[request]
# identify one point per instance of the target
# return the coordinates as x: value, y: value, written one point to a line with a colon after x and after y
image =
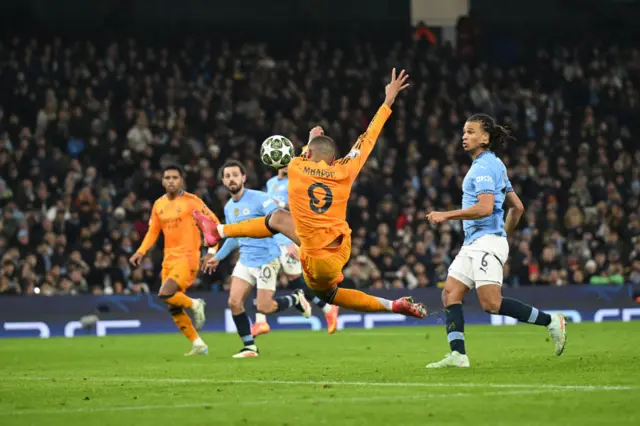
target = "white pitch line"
x: 335, y: 400
x: 428, y: 331
x: 337, y: 383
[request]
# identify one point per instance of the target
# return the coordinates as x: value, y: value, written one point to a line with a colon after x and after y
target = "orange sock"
x: 185, y: 325
x: 180, y: 300
x: 359, y: 301
x: 251, y: 228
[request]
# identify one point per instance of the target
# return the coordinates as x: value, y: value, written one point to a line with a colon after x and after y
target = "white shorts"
x: 290, y: 265
x: 264, y: 277
x: 481, y: 262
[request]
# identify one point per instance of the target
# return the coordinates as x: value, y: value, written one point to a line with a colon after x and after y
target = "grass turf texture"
x: 354, y: 377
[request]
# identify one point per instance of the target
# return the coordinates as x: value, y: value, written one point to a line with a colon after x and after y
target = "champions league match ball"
x: 276, y: 151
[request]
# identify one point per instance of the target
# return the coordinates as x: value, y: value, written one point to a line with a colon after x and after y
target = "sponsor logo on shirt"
x: 480, y: 179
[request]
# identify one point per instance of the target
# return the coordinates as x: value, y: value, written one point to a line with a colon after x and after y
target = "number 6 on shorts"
x: 488, y: 269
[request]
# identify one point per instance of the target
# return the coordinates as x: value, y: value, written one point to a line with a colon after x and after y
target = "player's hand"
x: 395, y: 86
x: 315, y: 132
x: 209, y: 265
x: 136, y: 259
x: 292, y: 251
x: 206, y: 258
x: 437, y: 217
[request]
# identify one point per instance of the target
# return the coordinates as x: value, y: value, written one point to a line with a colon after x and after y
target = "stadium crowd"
x: 86, y: 128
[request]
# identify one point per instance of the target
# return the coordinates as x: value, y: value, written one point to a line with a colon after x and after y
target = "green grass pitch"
x: 354, y: 377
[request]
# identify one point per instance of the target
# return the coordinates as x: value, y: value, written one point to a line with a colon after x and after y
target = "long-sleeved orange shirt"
x: 319, y: 192
x: 182, y: 238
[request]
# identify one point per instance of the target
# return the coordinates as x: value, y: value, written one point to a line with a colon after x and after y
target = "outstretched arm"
x: 367, y: 141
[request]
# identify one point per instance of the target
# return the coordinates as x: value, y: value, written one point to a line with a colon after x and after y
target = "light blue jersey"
x: 278, y: 189
x: 254, y: 252
x: 487, y: 175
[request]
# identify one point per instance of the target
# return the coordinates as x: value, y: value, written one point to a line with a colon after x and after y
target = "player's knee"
x: 326, y: 295
x: 451, y: 296
x: 165, y: 295
x: 491, y: 305
x: 236, y: 304
x: 175, y: 310
x: 168, y: 288
x: 277, y: 219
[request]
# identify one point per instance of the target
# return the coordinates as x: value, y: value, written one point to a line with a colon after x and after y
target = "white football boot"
x: 198, y: 348
x: 301, y: 303
x: 198, y: 313
x: 558, y: 331
x: 250, y: 351
x: 452, y: 359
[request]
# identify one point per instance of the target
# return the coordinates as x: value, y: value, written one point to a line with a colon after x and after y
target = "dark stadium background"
x: 564, y: 75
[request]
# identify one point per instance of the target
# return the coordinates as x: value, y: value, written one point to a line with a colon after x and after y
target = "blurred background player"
x: 480, y: 262
x: 320, y: 190
x: 258, y: 265
x: 171, y: 214
x: 278, y: 189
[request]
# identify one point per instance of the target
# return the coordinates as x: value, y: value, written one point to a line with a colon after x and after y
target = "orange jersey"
x: 319, y: 192
x: 182, y: 238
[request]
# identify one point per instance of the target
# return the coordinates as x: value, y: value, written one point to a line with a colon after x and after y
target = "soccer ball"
x: 276, y: 151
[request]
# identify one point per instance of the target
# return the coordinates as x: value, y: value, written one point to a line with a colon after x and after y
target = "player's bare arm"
x: 483, y: 208
x: 516, y: 210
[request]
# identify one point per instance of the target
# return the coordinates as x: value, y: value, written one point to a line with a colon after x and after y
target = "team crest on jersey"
x: 245, y: 211
x: 236, y: 211
x: 178, y: 210
x: 281, y: 188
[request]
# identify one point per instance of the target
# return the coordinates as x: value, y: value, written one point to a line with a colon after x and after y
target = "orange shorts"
x: 183, y: 272
x: 322, y: 269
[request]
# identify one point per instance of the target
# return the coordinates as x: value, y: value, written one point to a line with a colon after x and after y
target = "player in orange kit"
x: 319, y: 189
x: 172, y: 214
